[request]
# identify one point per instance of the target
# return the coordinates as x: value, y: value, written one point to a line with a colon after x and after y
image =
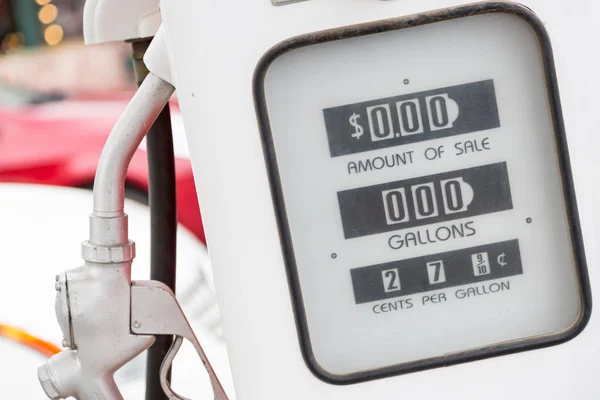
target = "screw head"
x: 136, y: 324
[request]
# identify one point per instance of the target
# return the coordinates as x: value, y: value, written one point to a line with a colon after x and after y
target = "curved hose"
x: 108, y: 227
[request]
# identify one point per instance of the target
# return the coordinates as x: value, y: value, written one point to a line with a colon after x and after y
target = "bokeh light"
x: 48, y: 13
x: 53, y: 34
x: 12, y: 41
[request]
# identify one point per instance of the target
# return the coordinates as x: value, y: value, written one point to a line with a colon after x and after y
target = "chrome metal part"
x: 108, y: 223
x: 138, y: 117
x: 108, y: 254
x: 106, y: 319
x: 93, y: 309
x: 155, y: 311
x: 93, y: 301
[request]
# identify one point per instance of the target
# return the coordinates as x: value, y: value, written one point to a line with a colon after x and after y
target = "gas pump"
x: 388, y: 198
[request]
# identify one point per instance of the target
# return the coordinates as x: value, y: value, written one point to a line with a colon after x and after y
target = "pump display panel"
x: 421, y: 180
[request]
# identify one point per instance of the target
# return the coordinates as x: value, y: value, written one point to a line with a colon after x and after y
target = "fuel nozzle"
x: 106, y: 319
x: 93, y: 310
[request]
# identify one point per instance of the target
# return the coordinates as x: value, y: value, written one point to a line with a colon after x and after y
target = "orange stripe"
x: 20, y: 336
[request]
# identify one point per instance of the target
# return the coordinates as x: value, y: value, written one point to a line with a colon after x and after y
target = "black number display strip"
x: 436, y: 271
x: 411, y: 118
x: 425, y: 200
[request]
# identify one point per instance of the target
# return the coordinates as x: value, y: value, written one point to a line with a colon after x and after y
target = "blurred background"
x: 59, y: 100
x: 42, y: 52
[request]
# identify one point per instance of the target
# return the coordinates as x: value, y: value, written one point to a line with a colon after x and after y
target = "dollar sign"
x: 358, y: 129
x: 501, y: 260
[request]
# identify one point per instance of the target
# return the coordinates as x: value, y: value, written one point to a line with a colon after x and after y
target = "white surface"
x: 214, y: 84
x: 347, y: 337
x: 42, y: 228
x: 117, y: 20
x: 157, y: 57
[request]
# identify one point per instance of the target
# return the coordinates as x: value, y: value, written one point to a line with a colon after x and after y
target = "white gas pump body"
x: 214, y: 50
